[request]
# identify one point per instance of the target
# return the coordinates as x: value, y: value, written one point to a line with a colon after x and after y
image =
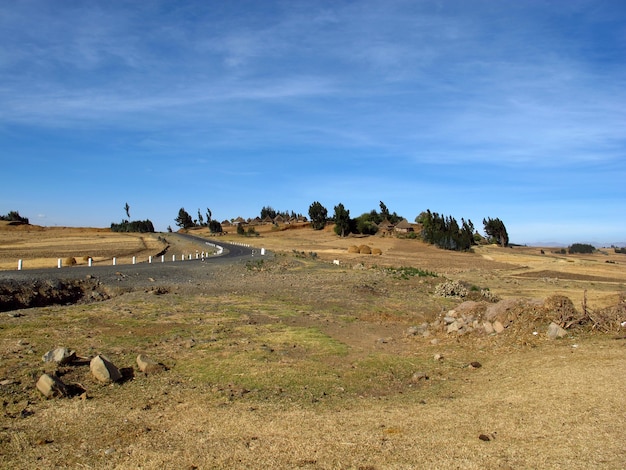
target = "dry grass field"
x: 292, y: 361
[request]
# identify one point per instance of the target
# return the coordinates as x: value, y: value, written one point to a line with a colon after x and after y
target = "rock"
x: 412, y: 331
x: 419, y: 377
x: 434, y: 341
x: 484, y: 437
x: 452, y: 327
x: 488, y: 327
x: 438, y: 357
x: 51, y: 386
x: 148, y: 366
x: 449, y: 319
x: 475, y: 365
x: 60, y: 356
x: 103, y: 370
x: 190, y: 343
x: 555, y: 331
x: 498, y: 327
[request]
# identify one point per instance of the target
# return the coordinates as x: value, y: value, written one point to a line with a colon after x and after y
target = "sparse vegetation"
x: 287, y: 362
x: 407, y: 272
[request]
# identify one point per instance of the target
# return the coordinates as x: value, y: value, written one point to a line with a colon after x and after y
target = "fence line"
x: 199, y: 256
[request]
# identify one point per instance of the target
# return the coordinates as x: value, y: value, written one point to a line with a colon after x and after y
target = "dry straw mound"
x: 365, y: 250
x: 353, y: 249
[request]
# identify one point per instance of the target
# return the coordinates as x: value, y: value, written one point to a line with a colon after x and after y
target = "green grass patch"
x: 407, y: 272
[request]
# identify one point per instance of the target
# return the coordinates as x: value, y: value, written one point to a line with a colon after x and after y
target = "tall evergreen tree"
x: 318, y: 215
x: 342, y: 220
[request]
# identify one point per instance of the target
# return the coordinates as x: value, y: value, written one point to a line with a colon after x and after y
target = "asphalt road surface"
x: 157, y: 272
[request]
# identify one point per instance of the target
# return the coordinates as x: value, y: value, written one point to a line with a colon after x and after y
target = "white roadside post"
x: 114, y: 261
x: 162, y: 258
x: 149, y: 259
x: 173, y: 257
x: 59, y: 263
x: 134, y: 259
x: 89, y: 261
x: 262, y: 251
x: 19, y: 265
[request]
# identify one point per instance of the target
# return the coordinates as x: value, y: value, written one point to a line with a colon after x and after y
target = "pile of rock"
x: 101, y: 368
x: 484, y: 318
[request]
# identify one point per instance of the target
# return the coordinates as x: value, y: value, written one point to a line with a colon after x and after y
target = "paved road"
x: 144, y: 272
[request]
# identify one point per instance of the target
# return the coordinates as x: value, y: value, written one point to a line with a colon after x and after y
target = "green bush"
x: 580, y: 248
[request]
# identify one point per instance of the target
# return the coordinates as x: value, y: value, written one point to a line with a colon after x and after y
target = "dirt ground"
x: 293, y: 361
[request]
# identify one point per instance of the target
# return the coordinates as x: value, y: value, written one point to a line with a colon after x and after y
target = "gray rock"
x: 412, y: 331
x: 488, y: 327
x: 60, y: 356
x: 51, y: 386
x: 104, y: 370
x: 555, y: 331
x: 148, y: 366
x: 452, y: 327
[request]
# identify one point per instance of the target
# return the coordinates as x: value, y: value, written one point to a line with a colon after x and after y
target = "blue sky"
x: 474, y: 109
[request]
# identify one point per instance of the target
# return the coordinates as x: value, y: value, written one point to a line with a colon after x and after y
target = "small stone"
x: 51, y: 386
x: 434, y: 341
x: 60, y: 356
x: 148, y: 366
x: 475, y: 365
x: 103, y: 370
x: 438, y: 357
x: 448, y: 319
x: 412, y: 331
x: 488, y: 327
x: 190, y: 343
x: 484, y: 437
x: 452, y: 327
x: 419, y: 377
x: 498, y: 327
x: 555, y: 331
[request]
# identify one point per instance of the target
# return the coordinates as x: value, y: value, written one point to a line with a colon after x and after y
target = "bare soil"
x: 292, y: 361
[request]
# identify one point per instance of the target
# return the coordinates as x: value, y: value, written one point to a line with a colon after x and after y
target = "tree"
x: 445, y: 232
x: 318, y: 215
x: 384, y: 212
x: 200, y: 219
x: 268, y: 211
x: 14, y: 216
x: 184, y: 220
x: 127, y: 209
x: 215, y: 226
x: 342, y: 220
x: 495, y: 229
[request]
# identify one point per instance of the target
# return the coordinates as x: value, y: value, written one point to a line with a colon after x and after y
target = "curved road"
x: 144, y: 272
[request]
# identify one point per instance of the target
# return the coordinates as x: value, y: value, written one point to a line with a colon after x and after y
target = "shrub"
x: 365, y: 250
x: 581, y: 248
x: 69, y: 261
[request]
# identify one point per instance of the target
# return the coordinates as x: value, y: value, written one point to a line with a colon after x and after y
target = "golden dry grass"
x: 40, y: 247
x: 299, y: 363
